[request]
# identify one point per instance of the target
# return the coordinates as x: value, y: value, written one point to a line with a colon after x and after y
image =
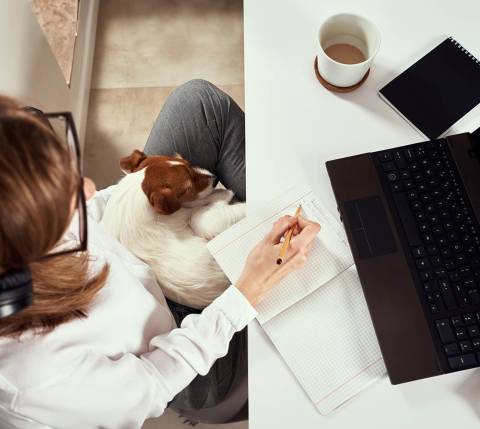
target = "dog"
x: 164, y: 210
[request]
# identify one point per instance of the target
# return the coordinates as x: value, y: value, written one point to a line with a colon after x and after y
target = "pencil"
x: 288, y: 237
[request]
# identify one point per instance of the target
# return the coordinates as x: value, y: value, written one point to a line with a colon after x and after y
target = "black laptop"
x: 412, y: 219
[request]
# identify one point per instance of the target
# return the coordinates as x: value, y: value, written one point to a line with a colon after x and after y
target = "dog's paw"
x: 221, y: 195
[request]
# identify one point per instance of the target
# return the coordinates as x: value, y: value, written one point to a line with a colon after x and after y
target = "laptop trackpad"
x: 369, y: 226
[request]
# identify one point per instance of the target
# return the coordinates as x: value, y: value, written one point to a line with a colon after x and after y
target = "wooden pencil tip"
x: 279, y: 261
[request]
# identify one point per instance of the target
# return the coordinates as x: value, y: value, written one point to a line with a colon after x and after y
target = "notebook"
x: 316, y: 317
x: 438, y: 90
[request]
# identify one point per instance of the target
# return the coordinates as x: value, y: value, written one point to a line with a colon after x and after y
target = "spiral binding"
x: 458, y: 45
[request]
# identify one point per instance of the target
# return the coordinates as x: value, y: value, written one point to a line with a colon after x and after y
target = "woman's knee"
x: 199, y: 89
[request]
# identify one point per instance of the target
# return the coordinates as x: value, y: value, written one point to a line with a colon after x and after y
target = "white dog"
x: 165, y: 211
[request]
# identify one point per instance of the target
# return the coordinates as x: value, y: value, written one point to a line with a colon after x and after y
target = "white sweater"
x: 125, y: 361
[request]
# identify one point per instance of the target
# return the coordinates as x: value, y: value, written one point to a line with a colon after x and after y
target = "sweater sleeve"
x: 124, y: 392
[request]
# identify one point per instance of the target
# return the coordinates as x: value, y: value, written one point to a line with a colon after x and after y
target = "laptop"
x: 412, y: 215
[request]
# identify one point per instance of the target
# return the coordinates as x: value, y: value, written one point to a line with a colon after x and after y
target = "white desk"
x: 292, y: 120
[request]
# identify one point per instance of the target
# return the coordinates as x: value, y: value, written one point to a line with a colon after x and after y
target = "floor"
x: 144, y: 49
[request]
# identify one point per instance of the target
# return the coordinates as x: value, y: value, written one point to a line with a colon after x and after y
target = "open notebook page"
x: 329, y: 256
x: 328, y: 342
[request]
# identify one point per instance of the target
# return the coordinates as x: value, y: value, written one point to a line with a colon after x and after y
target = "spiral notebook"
x: 316, y: 317
x: 438, y: 90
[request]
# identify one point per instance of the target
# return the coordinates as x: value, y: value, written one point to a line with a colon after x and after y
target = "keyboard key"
x: 422, y: 263
x: 434, y: 308
x: 417, y: 177
x: 469, y: 318
x: 461, y: 334
x: 448, y: 225
x: 388, y: 166
x: 474, y: 296
x: 414, y: 166
x: 473, y: 331
x: 420, y: 151
x: 442, y: 241
x: 422, y: 187
x: 446, y: 252
x: 463, y: 361
x: 432, y: 249
x: 426, y: 275
x: 399, y: 159
x: 392, y: 177
x: 440, y: 272
x: 456, y: 321
x: 436, y: 261
x: 463, y: 301
x: 465, y: 346
x: 453, y: 236
x: 420, y: 216
x: 409, y: 154
x: 476, y: 344
x: 454, y: 276
x: 385, y: 156
x: 396, y: 187
x: 445, y: 331
x: 451, y: 349
x: 450, y: 264
x: 419, y: 251
x: 423, y: 227
x: 427, y: 238
x: 405, y: 174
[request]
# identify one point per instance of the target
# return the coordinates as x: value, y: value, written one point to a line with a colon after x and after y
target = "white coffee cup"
x: 352, y: 30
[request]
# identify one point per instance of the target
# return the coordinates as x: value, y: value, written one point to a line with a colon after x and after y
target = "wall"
x: 28, y: 69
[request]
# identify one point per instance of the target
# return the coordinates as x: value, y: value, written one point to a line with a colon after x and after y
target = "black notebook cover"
x: 437, y: 90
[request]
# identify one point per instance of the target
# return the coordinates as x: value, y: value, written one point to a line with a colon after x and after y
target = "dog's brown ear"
x: 164, y: 201
x: 131, y: 162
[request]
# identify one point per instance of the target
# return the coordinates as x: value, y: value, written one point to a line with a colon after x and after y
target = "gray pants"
x: 206, y: 127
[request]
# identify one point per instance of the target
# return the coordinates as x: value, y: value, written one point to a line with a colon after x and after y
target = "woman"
x: 99, y: 346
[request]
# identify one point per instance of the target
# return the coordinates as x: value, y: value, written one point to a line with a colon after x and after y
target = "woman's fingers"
x: 309, y: 231
x: 280, y: 228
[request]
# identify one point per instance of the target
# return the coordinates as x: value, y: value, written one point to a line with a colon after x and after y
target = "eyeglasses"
x: 63, y: 125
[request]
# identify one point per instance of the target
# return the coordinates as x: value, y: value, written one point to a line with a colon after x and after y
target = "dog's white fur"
x: 174, y: 246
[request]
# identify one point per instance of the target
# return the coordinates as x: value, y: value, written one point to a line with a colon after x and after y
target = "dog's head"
x: 169, y: 182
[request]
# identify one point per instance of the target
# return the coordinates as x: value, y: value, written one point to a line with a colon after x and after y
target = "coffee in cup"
x: 348, y: 45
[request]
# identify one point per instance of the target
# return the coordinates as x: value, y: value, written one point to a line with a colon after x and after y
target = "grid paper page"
x: 328, y: 341
x: 329, y: 256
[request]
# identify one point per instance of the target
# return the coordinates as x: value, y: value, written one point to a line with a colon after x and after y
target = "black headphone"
x: 16, y: 291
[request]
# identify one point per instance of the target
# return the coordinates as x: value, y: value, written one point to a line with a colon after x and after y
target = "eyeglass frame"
x: 81, y: 202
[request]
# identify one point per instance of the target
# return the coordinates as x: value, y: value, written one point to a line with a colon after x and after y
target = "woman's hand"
x: 261, y: 272
x: 89, y: 187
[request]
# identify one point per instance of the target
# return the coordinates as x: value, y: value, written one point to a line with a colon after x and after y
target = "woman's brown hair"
x: 37, y: 185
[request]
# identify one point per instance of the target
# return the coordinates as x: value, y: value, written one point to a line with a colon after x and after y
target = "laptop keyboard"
x: 443, y: 238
